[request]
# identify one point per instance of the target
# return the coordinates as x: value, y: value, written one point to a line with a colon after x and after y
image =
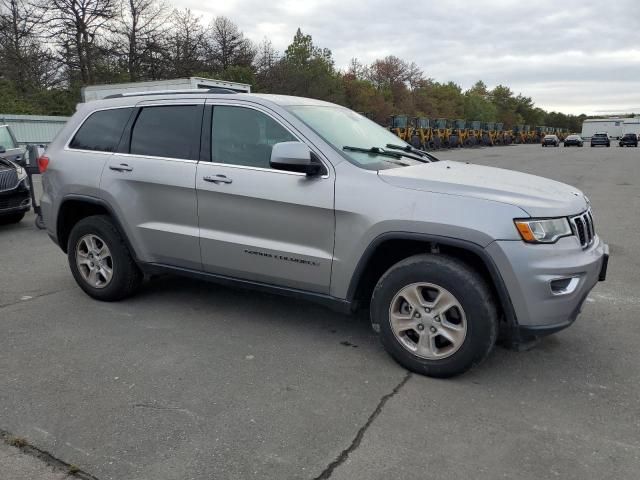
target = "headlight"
x: 23, y: 184
x: 547, y: 230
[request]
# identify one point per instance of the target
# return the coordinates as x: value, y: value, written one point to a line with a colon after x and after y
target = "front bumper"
x: 14, y: 201
x: 535, y: 274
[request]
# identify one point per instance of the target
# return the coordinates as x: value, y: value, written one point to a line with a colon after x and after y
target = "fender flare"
x: 100, y: 202
x: 503, y: 294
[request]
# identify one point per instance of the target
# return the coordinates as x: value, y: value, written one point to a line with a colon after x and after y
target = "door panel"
x: 257, y: 223
x: 155, y: 195
x: 267, y: 226
x: 156, y: 200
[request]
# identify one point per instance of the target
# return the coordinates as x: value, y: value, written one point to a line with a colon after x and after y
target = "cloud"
x: 577, y: 56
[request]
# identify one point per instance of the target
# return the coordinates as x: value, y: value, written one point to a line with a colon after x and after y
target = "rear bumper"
x: 548, y: 284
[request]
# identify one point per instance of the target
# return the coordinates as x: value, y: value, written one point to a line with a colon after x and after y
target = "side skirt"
x: 336, y: 304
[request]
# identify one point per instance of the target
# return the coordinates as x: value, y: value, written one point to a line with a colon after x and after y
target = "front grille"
x: 583, y: 228
x: 8, y: 179
x: 14, y: 201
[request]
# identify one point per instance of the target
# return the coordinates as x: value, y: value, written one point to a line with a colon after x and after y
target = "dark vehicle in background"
x: 600, y: 139
x: 15, y: 194
x: 629, y: 140
x: 550, y: 141
x: 573, y: 141
x: 9, y: 147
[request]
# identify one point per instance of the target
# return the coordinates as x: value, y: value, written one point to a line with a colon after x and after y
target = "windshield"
x: 342, y: 127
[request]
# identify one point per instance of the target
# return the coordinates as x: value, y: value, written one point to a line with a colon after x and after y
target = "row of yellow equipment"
x: 428, y: 134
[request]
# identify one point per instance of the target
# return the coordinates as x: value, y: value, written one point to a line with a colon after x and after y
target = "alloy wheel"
x: 94, y: 261
x: 428, y: 320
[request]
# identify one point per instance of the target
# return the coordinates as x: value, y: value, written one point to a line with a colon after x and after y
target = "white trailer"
x: 614, y: 127
x: 97, y: 92
x: 632, y: 125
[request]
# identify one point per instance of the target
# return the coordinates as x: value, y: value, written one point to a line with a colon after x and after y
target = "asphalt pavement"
x: 189, y: 380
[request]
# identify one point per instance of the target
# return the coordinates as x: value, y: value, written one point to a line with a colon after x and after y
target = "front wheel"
x: 100, y: 260
x: 436, y: 315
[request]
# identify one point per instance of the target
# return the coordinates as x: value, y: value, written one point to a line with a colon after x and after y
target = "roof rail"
x: 190, y: 91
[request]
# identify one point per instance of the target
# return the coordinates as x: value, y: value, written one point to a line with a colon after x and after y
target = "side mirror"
x: 2, y: 149
x: 295, y: 157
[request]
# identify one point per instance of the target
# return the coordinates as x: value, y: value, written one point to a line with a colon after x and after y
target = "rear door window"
x: 171, y: 131
x: 101, y: 132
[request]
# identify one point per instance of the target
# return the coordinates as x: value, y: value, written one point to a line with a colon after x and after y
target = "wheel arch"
x: 74, y: 208
x: 390, y: 248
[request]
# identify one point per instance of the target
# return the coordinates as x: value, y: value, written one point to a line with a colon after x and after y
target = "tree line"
x: 49, y: 49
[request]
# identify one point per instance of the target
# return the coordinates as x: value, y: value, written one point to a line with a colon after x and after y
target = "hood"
x: 537, y: 196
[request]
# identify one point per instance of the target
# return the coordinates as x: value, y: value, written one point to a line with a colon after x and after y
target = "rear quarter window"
x: 101, y: 131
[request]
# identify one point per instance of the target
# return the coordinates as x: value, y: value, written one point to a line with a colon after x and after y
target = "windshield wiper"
x: 409, y: 148
x: 378, y: 151
x: 385, y: 153
x: 381, y: 152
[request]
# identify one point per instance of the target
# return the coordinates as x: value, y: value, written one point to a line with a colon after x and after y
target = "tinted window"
x: 5, y: 139
x: 102, y: 130
x: 243, y: 136
x: 167, y: 131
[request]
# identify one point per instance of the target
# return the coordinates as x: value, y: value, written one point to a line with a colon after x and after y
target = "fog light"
x: 564, y: 286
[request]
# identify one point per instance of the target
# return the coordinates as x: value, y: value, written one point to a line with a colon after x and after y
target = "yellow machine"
x: 474, y: 134
x: 488, y: 134
x: 506, y: 136
x: 458, y: 133
x: 423, y: 134
x: 441, y: 133
x: 401, y: 126
x: 427, y: 134
x: 521, y: 134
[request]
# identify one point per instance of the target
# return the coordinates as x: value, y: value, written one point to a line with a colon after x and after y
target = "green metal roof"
x: 40, y: 129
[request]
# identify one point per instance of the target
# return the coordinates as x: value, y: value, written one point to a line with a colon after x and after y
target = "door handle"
x: 123, y: 167
x: 217, y: 179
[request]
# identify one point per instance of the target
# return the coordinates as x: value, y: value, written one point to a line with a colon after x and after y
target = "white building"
x: 615, y: 127
x: 97, y: 92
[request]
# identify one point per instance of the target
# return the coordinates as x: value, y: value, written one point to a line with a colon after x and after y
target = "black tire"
x: 11, y: 218
x: 126, y: 277
x: 470, y: 290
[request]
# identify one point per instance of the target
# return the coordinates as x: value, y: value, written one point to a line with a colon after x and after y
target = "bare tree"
x: 356, y: 69
x: 21, y: 56
x: 185, y: 45
x: 266, y: 56
x: 78, y: 25
x: 414, y: 76
x: 139, y: 29
x: 389, y: 71
x: 228, y: 46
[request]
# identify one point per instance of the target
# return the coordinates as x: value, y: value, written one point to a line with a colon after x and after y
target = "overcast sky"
x: 572, y: 56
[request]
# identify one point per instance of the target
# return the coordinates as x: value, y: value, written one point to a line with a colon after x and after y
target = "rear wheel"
x: 12, y: 218
x: 436, y: 315
x: 100, y: 260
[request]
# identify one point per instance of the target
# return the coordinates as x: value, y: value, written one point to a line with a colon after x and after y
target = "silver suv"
x: 305, y: 198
